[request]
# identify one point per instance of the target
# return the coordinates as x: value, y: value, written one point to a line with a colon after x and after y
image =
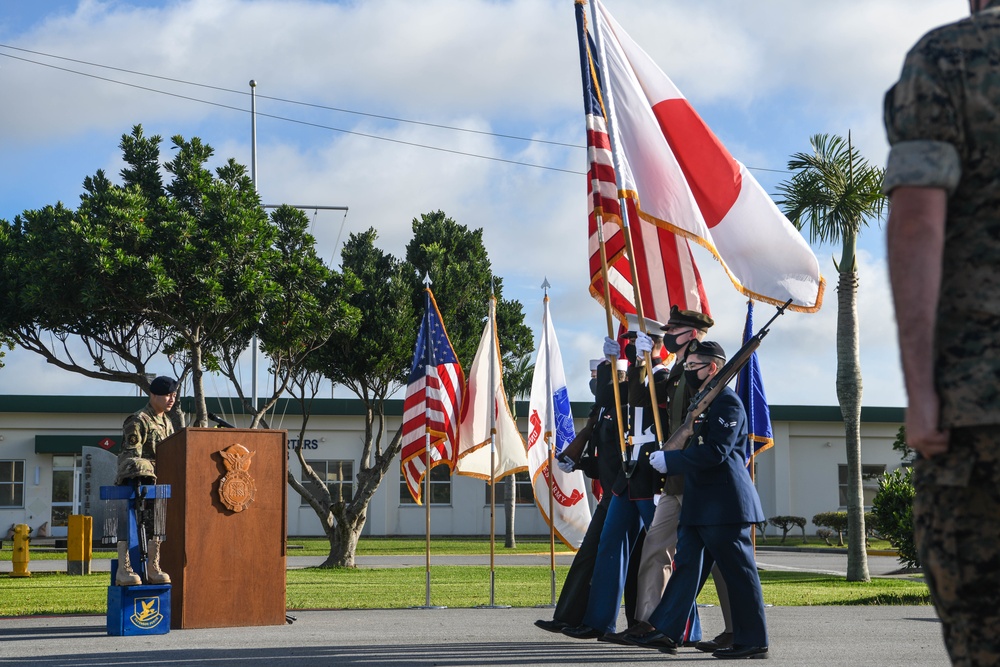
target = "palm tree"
x: 835, y: 192
x: 517, y: 376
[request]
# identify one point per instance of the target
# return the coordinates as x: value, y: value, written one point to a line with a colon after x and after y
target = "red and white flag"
x: 664, y: 265
x: 433, y: 402
x: 681, y: 178
x: 486, y: 413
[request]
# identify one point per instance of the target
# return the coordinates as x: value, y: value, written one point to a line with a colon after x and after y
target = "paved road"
x: 799, y: 637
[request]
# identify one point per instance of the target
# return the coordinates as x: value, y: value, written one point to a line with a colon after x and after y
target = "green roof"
x: 124, y: 405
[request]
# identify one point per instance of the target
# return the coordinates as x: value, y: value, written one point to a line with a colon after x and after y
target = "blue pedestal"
x: 138, y: 610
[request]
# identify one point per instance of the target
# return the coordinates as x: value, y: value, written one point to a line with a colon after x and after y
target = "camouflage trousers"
x: 956, y: 517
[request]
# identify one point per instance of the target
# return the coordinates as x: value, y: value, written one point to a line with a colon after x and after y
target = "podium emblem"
x: 146, y: 613
x: 237, y: 488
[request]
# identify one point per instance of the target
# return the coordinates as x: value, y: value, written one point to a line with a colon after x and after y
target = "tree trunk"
x: 508, y: 509
x: 849, y: 396
x: 197, y: 384
x: 343, y: 536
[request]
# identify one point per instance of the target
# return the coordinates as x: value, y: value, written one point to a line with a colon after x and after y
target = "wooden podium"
x: 227, y: 565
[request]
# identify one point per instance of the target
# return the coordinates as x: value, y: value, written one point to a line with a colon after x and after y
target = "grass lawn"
x: 452, y: 586
x: 408, y: 546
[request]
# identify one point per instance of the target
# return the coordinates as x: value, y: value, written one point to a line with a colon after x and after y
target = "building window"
x: 339, y: 478
x: 440, y: 487
x: 523, y: 493
x: 870, y: 476
x: 11, y: 483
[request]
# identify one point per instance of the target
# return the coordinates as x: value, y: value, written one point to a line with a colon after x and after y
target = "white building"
x: 52, y: 447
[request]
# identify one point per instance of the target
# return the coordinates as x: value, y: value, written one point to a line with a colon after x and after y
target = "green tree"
x: 313, y: 306
x: 372, y: 364
x: 61, y: 272
x: 462, y: 280
x: 836, y: 192
x: 192, y: 268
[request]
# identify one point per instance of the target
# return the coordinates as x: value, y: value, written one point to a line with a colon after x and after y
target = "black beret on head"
x: 163, y: 385
x: 707, y: 348
x: 688, y: 318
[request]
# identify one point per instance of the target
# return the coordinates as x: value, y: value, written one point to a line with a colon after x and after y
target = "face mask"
x: 593, y: 386
x: 692, y: 379
x: 670, y: 343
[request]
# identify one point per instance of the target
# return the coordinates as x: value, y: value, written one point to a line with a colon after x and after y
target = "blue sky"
x: 764, y: 75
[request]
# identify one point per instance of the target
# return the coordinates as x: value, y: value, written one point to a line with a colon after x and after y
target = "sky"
x: 472, y: 107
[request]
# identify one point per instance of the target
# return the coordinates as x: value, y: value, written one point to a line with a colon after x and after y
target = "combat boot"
x: 125, y: 575
x: 154, y: 575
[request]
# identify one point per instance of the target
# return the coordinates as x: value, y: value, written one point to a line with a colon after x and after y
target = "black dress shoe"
x: 640, y: 628
x: 582, y: 631
x: 722, y: 640
x: 551, y: 626
x: 614, y: 638
x: 740, y: 652
x: 653, y: 639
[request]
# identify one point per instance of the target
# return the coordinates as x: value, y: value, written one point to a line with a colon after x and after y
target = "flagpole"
x: 623, y: 205
x: 550, y: 436
x: 427, y: 452
x: 610, y: 320
x: 493, y: 445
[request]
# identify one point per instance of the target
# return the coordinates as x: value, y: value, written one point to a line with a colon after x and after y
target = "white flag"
x: 550, y: 422
x: 486, y: 408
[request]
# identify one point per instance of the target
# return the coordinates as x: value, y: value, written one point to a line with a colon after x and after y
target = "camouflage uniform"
x: 142, y: 432
x: 943, y: 122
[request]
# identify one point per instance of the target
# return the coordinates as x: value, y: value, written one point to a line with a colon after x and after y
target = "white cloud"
x: 780, y: 70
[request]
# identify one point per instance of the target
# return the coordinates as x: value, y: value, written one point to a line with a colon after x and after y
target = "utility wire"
x: 311, y: 105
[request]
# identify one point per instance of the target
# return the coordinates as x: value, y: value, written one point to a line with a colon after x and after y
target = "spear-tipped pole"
x: 427, y: 453
x: 493, y: 444
x: 550, y: 436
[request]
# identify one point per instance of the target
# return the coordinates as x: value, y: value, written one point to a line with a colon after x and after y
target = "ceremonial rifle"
x: 704, y: 398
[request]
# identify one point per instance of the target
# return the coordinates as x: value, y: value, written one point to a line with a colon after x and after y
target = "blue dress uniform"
x: 720, y: 507
x: 630, y: 508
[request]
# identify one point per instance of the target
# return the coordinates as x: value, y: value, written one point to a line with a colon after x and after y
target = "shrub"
x: 892, y: 513
x: 786, y: 523
x: 836, y: 521
x: 760, y: 528
x: 826, y: 534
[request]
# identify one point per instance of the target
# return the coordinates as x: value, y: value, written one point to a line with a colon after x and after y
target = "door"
x: 66, y: 492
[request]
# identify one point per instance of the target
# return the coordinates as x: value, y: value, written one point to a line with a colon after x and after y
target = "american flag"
x: 665, y: 266
x: 433, y: 401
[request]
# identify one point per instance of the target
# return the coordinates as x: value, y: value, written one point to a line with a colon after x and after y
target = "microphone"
x: 220, y: 421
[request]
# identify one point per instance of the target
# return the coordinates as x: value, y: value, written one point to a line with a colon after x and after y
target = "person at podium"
x: 141, y: 433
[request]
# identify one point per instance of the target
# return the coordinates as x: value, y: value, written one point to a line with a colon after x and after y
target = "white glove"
x: 658, y: 461
x: 566, y: 464
x: 643, y: 343
x: 611, y: 347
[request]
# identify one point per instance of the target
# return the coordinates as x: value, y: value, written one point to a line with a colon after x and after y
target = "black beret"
x: 688, y: 318
x: 707, y: 348
x: 163, y: 385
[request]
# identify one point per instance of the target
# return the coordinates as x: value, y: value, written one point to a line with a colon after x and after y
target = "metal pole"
x: 253, y: 177
x: 550, y: 436
x: 493, y: 450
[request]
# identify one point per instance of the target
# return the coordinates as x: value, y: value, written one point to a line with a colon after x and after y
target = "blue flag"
x: 750, y: 388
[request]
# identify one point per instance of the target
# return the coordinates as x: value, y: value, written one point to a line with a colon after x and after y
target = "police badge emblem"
x: 236, y: 488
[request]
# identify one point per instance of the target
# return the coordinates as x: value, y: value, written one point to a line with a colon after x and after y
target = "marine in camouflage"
x: 943, y: 123
x: 141, y: 433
